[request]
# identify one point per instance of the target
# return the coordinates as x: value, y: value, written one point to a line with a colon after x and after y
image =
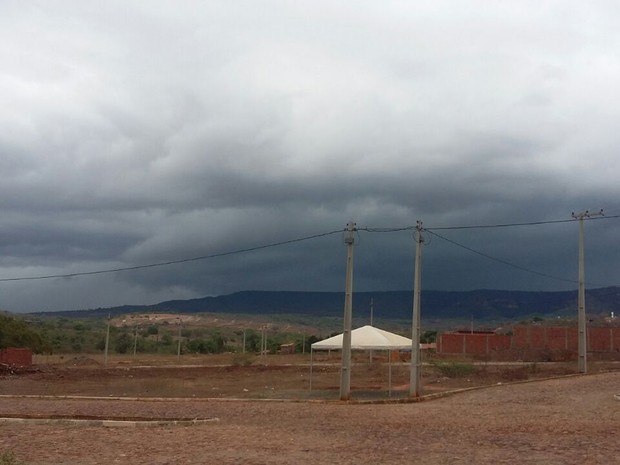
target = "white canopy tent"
x: 364, y: 338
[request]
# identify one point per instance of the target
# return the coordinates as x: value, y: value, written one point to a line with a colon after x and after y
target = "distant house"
x: 288, y: 348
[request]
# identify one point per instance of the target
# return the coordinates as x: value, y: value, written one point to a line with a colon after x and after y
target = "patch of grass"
x: 455, y: 369
x: 240, y: 359
x: 8, y: 458
x: 520, y: 373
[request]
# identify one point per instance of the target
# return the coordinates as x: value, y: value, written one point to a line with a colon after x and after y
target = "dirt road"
x: 564, y: 421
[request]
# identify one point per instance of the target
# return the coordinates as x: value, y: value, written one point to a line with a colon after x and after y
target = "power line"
x: 174, y: 262
x: 484, y: 226
x: 367, y: 229
x: 504, y: 262
x: 530, y: 223
x: 499, y: 260
x: 387, y: 230
x: 490, y: 226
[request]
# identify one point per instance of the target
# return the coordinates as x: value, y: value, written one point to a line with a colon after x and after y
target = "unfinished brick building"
x: 16, y: 357
x: 532, y: 343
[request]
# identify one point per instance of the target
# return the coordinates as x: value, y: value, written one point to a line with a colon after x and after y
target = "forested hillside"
x: 479, y: 304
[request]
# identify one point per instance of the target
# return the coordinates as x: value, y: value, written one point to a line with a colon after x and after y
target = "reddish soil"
x: 572, y: 420
x: 84, y: 376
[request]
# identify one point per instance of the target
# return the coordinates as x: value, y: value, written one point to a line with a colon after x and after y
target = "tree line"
x: 17, y: 333
x: 64, y: 335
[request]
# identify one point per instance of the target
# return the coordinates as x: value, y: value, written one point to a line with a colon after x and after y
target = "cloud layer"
x: 135, y: 134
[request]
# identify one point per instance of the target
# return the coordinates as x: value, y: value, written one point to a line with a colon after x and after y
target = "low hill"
x: 479, y: 304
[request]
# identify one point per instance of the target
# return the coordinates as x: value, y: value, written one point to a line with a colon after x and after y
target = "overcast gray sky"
x: 141, y: 132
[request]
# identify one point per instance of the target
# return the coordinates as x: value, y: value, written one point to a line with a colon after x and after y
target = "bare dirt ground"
x: 271, y: 376
x: 573, y: 420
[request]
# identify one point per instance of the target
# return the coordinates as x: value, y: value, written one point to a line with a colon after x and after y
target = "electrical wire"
x: 486, y: 226
x: 386, y: 230
x: 366, y: 229
x: 173, y: 262
x: 530, y: 223
x: 499, y: 260
x: 491, y: 226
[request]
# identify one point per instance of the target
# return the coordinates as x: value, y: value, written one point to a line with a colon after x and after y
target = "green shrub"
x: 241, y: 359
x: 455, y: 369
x: 8, y: 458
x: 17, y: 333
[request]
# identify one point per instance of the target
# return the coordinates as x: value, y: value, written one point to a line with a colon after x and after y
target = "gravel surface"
x: 573, y: 420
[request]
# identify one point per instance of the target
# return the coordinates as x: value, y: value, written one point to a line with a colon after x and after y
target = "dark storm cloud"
x: 136, y: 135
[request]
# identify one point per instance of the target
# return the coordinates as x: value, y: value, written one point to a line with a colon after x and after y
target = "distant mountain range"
x: 479, y: 304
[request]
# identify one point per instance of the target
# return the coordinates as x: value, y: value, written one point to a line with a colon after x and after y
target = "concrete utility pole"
x: 179, y: 343
x: 135, y: 340
x: 371, y: 310
x: 581, y: 298
x: 263, y: 344
x: 345, y: 372
x: 107, y: 342
x: 416, y: 366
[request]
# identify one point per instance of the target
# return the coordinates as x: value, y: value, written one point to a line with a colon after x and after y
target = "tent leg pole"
x: 311, y: 351
x: 390, y: 373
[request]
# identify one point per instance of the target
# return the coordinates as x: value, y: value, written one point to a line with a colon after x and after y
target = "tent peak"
x: 364, y: 338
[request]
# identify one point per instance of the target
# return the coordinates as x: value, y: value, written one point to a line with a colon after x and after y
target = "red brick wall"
x: 557, y: 338
x: 537, y: 338
x: 14, y: 356
x: 615, y: 340
x: 450, y: 344
x: 499, y: 342
x: 599, y: 339
x: 520, y: 337
x: 473, y: 344
x: 544, y: 337
x: 573, y: 339
x: 526, y: 341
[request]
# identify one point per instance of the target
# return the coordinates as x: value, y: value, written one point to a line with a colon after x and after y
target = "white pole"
x: 345, y: 372
x: 107, y: 342
x: 390, y: 373
x: 415, y: 371
x: 371, y: 309
x: 179, y: 343
x: 581, y: 310
x: 581, y: 297
x: 311, y: 368
x: 135, y: 340
x: 262, y: 344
